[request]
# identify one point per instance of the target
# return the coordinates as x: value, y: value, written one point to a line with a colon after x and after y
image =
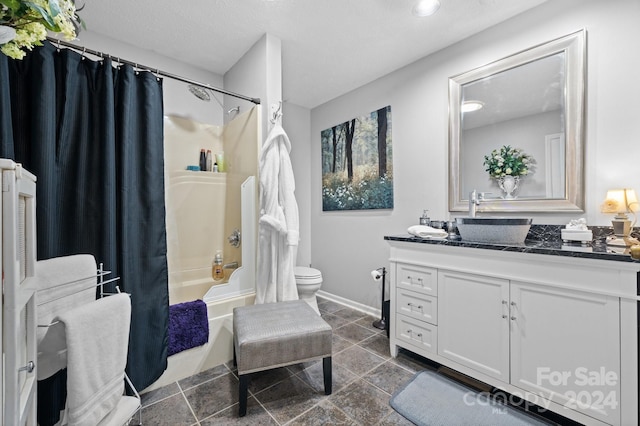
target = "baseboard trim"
x: 350, y: 304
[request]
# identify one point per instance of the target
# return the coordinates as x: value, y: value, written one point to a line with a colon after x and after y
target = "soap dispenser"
x: 424, y: 219
x: 216, y: 270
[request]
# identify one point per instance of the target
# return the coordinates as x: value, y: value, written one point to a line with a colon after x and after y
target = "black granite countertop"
x: 542, y: 239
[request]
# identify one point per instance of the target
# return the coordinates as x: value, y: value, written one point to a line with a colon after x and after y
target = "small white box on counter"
x: 576, y: 235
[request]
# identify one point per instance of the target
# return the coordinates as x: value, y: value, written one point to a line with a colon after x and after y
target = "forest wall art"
x: 357, y: 166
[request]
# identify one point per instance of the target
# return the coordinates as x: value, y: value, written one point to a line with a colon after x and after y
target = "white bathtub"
x: 202, y: 211
x: 218, y: 350
x: 220, y: 298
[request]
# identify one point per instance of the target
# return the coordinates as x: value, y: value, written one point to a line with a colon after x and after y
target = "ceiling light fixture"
x: 426, y: 7
x: 469, y: 106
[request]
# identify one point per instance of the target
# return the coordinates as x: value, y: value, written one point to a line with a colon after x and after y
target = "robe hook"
x: 277, y: 113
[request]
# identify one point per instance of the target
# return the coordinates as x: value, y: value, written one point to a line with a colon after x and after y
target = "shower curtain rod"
x: 158, y: 72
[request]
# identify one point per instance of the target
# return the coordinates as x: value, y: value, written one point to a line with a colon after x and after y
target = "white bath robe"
x: 278, y: 227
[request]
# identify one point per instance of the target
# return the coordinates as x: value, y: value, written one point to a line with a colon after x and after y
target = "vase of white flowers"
x: 507, y: 165
x: 24, y: 24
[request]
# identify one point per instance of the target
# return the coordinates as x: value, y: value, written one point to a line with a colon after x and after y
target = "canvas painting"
x: 357, y: 166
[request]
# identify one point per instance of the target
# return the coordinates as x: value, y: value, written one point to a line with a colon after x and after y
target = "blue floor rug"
x: 431, y: 399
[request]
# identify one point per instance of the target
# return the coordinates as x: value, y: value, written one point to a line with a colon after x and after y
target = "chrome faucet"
x: 474, y: 201
x: 231, y: 265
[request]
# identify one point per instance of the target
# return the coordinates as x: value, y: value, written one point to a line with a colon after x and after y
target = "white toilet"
x: 308, y: 282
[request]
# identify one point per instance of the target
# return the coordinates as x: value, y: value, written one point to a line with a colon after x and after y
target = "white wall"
x: 296, y: 121
x: 177, y: 98
x: 347, y: 245
x: 258, y: 74
x: 525, y: 133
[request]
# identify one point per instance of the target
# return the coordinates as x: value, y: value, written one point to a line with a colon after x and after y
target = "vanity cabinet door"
x: 473, y: 322
x: 565, y: 345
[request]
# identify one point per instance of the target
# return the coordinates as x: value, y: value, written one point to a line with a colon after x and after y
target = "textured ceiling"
x: 329, y: 47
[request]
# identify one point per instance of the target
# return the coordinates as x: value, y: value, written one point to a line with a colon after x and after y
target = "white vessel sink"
x: 498, y: 230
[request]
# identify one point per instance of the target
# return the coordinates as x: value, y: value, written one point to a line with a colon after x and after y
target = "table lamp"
x: 621, y: 202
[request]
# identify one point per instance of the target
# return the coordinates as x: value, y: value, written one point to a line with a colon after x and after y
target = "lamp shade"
x: 620, y: 201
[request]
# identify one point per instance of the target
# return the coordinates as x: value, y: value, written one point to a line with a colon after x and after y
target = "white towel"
x: 97, y: 336
x: 424, y: 231
x: 62, y: 284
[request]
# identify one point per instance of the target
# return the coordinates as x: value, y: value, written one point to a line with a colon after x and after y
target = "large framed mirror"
x: 519, y: 121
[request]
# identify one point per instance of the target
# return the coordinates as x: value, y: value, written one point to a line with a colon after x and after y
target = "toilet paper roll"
x: 376, y: 275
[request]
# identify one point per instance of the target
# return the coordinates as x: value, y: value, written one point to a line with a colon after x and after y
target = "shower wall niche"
x: 203, y: 209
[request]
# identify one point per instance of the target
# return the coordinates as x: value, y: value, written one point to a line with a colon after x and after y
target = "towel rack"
x: 100, y: 274
x: 101, y: 282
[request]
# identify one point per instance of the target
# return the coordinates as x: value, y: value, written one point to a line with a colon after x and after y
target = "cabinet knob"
x: 419, y: 334
x: 513, y: 318
x: 504, y: 302
x: 513, y: 303
x: 504, y: 316
x: 409, y: 331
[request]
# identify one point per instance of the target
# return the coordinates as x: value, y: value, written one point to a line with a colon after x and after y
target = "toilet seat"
x: 306, y: 276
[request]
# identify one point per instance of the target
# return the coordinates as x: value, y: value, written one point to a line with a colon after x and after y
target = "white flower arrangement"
x: 24, y: 24
x: 508, y: 161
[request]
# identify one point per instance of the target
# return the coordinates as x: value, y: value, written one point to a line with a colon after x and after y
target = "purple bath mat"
x: 188, y: 326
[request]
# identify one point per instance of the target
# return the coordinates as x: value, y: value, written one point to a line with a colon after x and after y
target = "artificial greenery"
x: 24, y: 24
x: 508, y: 161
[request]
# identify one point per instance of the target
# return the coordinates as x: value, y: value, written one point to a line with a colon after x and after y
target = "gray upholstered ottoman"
x: 277, y: 334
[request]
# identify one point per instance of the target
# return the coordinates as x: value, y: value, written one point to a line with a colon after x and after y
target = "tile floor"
x: 364, y: 378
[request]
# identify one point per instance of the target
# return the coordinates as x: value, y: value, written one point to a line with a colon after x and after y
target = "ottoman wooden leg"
x: 326, y: 369
x: 242, y: 397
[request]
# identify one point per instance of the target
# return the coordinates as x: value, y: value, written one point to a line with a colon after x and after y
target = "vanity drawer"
x: 417, y: 305
x: 417, y: 278
x: 417, y: 333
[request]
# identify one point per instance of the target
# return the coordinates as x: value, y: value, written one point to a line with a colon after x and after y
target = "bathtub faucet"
x: 231, y: 265
x: 234, y: 238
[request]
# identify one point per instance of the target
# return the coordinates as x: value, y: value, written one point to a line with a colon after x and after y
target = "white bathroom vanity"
x: 555, y: 327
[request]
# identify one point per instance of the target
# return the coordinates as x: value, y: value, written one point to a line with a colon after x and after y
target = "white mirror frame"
x: 574, y: 47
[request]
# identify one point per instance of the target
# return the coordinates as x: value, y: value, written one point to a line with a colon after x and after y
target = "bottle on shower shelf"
x: 216, y: 270
x: 203, y: 160
x: 222, y: 165
x: 209, y: 160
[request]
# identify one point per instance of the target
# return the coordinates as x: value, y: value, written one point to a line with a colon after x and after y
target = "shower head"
x: 203, y: 94
x: 199, y: 92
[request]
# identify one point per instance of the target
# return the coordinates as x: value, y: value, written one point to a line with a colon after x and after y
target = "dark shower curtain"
x: 93, y: 136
